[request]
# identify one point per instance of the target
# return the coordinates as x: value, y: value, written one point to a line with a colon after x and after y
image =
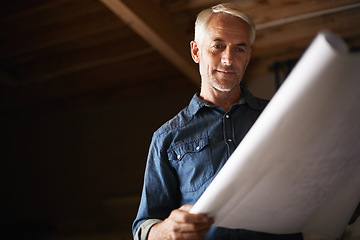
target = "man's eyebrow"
x: 242, y: 44
x: 218, y: 40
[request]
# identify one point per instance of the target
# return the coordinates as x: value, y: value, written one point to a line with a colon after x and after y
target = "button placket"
x: 228, y: 133
x: 228, y: 128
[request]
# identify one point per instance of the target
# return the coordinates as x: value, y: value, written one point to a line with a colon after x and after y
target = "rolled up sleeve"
x: 143, y: 231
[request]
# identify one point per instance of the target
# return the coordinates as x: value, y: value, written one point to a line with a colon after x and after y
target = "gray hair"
x: 203, y: 19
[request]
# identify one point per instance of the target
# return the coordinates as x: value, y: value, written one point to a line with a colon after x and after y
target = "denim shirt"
x: 185, y: 155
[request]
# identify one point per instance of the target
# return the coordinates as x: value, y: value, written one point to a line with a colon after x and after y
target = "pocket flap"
x: 181, y: 149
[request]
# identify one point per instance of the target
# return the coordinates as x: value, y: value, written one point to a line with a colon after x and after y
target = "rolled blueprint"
x: 297, y: 169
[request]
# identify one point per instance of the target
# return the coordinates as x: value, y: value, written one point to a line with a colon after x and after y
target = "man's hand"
x: 181, y: 225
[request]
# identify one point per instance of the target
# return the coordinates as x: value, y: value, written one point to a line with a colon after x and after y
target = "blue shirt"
x: 188, y: 151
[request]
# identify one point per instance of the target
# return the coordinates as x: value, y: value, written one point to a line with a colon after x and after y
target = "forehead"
x: 227, y: 26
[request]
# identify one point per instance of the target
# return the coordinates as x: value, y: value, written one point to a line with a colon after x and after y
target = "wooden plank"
x: 18, y: 8
x: 268, y: 11
x: 51, y: 11
x: 299, y: 34
x: 145, y: 68
x: 155, y: 27
x: 306, y: 16
x: 47, y: 66
x: 44, y: 70
x: 53, y: 31
x: 177, y: 6
x: 90, y: 42
x: 265, y: 12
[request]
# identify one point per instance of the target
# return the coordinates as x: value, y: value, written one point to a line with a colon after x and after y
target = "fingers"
x: 182, y: 225
x: 198, y: 235
x: 189, y: 224
x: 182, y: 215
x: 176, y: 230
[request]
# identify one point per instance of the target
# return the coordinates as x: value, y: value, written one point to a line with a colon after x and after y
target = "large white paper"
x: 298, y: 168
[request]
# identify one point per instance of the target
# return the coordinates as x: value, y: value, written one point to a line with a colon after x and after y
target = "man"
x: 187, y: 152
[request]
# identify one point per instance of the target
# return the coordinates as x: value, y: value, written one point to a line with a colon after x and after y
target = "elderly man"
x: 187, y: 152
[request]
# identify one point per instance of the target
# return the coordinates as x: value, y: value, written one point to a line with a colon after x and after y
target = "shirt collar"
x: 197, y: 103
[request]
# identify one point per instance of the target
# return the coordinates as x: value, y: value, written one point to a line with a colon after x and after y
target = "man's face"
x: 224, y: 53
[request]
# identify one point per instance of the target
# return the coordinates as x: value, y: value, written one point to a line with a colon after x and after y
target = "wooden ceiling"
x: 66, y: 52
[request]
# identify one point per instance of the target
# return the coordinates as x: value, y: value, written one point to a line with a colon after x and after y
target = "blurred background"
x: 85, y: 83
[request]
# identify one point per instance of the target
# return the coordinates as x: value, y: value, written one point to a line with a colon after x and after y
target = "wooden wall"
x: 78, y: 170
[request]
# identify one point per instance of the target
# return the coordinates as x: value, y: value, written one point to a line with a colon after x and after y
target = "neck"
x: 221, y: 99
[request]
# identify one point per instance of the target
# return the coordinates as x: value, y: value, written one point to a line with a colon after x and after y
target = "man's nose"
x: 226, y: 57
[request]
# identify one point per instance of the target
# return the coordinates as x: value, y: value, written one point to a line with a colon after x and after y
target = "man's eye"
x: 217, y: 46
x: 240, y: 50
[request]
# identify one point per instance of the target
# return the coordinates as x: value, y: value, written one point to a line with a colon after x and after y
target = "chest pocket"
x: 193, y: 163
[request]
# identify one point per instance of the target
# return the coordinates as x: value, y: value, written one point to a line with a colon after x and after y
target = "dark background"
x: 82, y: 91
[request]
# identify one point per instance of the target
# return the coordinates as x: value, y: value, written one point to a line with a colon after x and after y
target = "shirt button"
x: 178, y: 156
x: 197, y: 148
x: 229, y: 140
x: 227, y: 116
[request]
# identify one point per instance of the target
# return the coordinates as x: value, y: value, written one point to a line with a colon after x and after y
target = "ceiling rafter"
x: 306, y: 16
x: 155, y: 27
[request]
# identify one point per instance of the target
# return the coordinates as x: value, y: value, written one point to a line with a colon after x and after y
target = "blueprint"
x: 298, y: 168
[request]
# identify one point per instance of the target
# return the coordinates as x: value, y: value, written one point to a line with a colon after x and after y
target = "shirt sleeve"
x: 160, y: 193
x: 143, y: 231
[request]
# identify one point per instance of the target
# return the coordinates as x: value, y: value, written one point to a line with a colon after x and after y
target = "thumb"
x: 186, y: 207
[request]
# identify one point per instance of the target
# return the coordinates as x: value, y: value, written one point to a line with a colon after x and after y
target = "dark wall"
x: 81, y: 169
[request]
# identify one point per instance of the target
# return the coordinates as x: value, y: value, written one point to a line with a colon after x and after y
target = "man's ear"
x: 194, y: 48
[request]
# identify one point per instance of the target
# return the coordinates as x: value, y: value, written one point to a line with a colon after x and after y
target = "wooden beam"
x: 277, y: 10
x: 271, y: 41
x: 306, y: 16
x: 155, y: 27
x: 176, y: 6
x: 60, y: 30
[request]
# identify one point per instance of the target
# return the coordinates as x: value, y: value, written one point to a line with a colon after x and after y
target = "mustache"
x: 225, y: 69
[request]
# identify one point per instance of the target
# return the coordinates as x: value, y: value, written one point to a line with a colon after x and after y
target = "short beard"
x: 218, y: 87
x: 221, y: 89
